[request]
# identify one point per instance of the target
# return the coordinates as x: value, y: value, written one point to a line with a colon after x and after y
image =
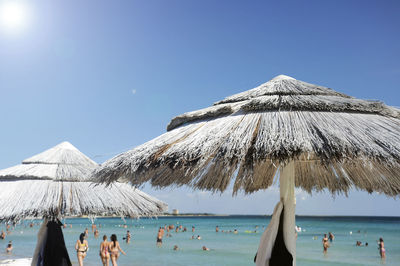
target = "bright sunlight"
x: 13, y: 15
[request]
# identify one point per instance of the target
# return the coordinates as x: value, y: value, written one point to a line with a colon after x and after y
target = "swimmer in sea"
x: 9, y: 248
x: 96, y: 233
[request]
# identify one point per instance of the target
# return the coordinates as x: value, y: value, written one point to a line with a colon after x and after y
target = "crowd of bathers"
x: 328, y: 239
x: 110, y: 250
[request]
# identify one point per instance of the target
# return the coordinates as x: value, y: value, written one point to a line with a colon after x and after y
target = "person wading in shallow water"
x: 81, y: 247
x: 104, y: 251
x: 159, y: 237
x: 331, y: 237
x: 9, y: 248
x: 325, y: 243
x: 381, y: 247
x: 115, y: 248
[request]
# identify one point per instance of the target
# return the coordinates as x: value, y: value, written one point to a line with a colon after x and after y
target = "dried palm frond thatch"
x: 57, y: 183
x: 335, y: 141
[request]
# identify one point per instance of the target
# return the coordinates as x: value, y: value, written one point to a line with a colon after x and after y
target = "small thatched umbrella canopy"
x: 57, y: 183
x: 312, y: 136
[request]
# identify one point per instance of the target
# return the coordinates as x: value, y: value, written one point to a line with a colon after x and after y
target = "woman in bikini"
x: 325, y: 243
x: 115, y: 248
x: 104, y: 253
x: 81, y: 247
x: 381, y: 247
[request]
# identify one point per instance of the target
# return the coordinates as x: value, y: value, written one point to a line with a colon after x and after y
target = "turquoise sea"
x: 226, y: 248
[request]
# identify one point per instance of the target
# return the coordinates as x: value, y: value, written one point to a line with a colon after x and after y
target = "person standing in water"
x: 104, y: 253
x: 325, y: 243
x: 96, y: 233
x: 115, y: 248
x: 160, y: 235
x: 381, y: 247
x: 81, y: 247
x: 9, y: 247
x: 331, y: 237
x: 128, y: 237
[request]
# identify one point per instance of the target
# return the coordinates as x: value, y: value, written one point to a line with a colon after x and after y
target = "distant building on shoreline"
x: 175, y: 212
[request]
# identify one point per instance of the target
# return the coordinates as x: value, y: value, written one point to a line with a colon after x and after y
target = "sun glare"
x: 13, y: 15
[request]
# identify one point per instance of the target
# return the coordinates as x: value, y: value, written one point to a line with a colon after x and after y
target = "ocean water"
x: 226, y: 248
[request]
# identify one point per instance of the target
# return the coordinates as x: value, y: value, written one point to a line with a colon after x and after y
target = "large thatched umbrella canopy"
x: 57, y: 182
x: 337, y: 141
x: 312, y: 136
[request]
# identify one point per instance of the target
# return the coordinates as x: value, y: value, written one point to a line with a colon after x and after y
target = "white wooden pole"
x: 286, y: 183
x: 287, y: 203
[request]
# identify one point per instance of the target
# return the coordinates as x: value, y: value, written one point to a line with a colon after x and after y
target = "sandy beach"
x: 16, y: 262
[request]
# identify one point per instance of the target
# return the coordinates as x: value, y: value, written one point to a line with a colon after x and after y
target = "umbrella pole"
x: 286, y: 187
x: 278, y: 242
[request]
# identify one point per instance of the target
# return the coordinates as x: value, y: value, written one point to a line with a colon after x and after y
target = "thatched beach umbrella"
x: 57, y: 183
x: 310, y: 136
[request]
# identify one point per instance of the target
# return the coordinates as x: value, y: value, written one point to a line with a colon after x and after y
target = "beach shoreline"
x: 16, y: 262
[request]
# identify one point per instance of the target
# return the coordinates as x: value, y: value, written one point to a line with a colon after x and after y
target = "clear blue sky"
x: 109, y: 75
